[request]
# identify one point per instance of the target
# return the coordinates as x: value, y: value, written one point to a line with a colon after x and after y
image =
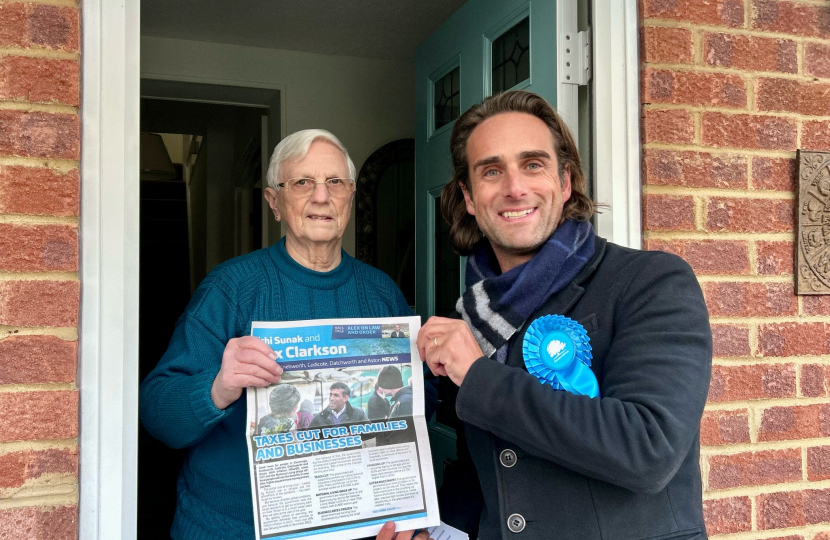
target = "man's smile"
x: 517, y: 214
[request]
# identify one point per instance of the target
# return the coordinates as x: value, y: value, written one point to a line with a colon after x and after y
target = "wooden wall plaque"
x: 812, y: 274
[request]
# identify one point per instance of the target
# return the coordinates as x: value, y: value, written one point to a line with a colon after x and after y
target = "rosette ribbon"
x: 557, y: 351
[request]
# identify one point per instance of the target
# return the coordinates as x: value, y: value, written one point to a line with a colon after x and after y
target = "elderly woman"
x: 193, y: 398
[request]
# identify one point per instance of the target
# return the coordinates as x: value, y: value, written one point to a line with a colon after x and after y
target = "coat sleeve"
x: 653, y: 389
x: 175, y: 404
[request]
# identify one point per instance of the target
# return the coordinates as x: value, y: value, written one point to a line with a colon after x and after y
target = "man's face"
x: 397, y: 328
x: 517, y: 196
x: 317, y: 217
x: 337, y: 399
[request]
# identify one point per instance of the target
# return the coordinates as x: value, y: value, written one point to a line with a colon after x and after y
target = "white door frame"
x: 108, y: 361
x: 616, y: 129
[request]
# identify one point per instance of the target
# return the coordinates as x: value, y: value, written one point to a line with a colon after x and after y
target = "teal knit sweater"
x: 214, y: 488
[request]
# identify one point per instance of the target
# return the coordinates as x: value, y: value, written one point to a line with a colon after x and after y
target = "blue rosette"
x: 557, y: 351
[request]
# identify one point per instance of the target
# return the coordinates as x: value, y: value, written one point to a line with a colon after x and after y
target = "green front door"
x: 485, y: 47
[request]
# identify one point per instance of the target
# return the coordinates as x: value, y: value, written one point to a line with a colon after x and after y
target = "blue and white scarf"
x: 496, y: 306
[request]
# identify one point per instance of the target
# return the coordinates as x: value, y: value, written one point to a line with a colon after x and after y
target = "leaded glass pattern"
x: 511, y: 57
x: 447, y: 98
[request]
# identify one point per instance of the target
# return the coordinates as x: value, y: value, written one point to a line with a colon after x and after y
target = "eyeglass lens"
x: 335, y: 186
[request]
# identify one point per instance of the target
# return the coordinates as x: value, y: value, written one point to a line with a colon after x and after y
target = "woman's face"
x: 315, y: 218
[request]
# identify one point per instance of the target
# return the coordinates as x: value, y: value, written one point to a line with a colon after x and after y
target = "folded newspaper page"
x: 340, y: 445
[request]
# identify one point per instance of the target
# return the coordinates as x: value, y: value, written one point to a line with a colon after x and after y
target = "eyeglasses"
x: 301, y: 187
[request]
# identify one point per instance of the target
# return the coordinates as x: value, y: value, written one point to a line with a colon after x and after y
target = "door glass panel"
x: 447, y: 98
x: 511, y: 57
x: 447, y: 267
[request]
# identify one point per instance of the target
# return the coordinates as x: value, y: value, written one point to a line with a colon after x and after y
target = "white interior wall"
x: 365, y: 102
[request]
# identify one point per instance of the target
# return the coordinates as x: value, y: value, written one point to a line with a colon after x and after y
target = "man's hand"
x: 448, y: 347
x: 388, y: 533
x: 247, y: 361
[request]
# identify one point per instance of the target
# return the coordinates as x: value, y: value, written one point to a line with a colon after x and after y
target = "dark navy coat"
x: 536, y: 463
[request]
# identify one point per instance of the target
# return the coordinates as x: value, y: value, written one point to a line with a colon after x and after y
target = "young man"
x: 594, y: 359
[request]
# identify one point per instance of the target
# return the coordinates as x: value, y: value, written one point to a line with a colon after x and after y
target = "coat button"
x: 516, y: 523
x: 507, y: 458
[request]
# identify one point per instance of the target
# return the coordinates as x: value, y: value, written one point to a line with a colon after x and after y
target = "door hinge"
x: 576, y: 56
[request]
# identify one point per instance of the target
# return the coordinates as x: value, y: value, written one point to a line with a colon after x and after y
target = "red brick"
x: 54, y: 27
x: 669, y: 213
x: 730, y: 340
x: 729, y: 515
x: 793, y: 339
x: 708, y: 257
x: 37, y: 359
x: 815, y: 135
x: 778, y: 174
x: 694, y: 169
x: 815, y: 305
x: 824, y: 419
x: 724, y: 427
x: 750, y: 53
x: 817, y: 505
x: 719, y: 12
x: 38, y: 134
x: 818, y: 463
x: 38, y: 415
x: 757, y: 381
x: 667, y: 45
x: 693, y: 88
x: 742, y: 299
x: 774, y: 258
x: 22, y: 191
x: 16, y: 468
x: 790, y: 423
x: 817, y: 60
x: 787, y: 95
x: 38, y: 247
x: 39, y: 303
x: 812, y: 379
x: 791, y: 18
x: 821, y: 536
x: 671, y: 126
x: 40, y: 80
x: 51, y: 27
x: 736, y: 214
x: 39, y: 523
x: 748, y: 131
x: 755, y: 468
x: 780, y: 510
x: 14, y: 22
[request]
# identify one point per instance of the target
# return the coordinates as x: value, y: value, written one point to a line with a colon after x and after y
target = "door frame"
x: 108, y: 329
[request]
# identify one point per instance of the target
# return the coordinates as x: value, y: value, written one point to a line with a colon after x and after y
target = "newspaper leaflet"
x: 339, y: 446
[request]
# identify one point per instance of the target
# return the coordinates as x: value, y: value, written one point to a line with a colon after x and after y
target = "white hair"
x: 296, y: 146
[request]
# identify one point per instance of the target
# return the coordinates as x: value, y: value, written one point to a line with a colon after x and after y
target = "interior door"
x: 485, y: 47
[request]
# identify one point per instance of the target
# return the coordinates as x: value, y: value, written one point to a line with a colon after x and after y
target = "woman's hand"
x: 247, y: 361
x: 388, y: 533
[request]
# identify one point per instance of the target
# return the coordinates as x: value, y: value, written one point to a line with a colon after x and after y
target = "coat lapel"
x: 559, y: 303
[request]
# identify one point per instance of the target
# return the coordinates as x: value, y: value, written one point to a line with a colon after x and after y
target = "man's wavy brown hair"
x: 464, y: 231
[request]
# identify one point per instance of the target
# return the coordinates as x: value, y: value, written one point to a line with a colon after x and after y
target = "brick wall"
x: 730, y: 89
x: 39, y: 286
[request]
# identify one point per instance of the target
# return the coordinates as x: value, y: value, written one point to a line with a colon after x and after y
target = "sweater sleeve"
x: 653, y: 388
x: 175, y: 404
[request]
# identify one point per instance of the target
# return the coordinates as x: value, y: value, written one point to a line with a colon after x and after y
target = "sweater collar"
x: 308, y: 277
